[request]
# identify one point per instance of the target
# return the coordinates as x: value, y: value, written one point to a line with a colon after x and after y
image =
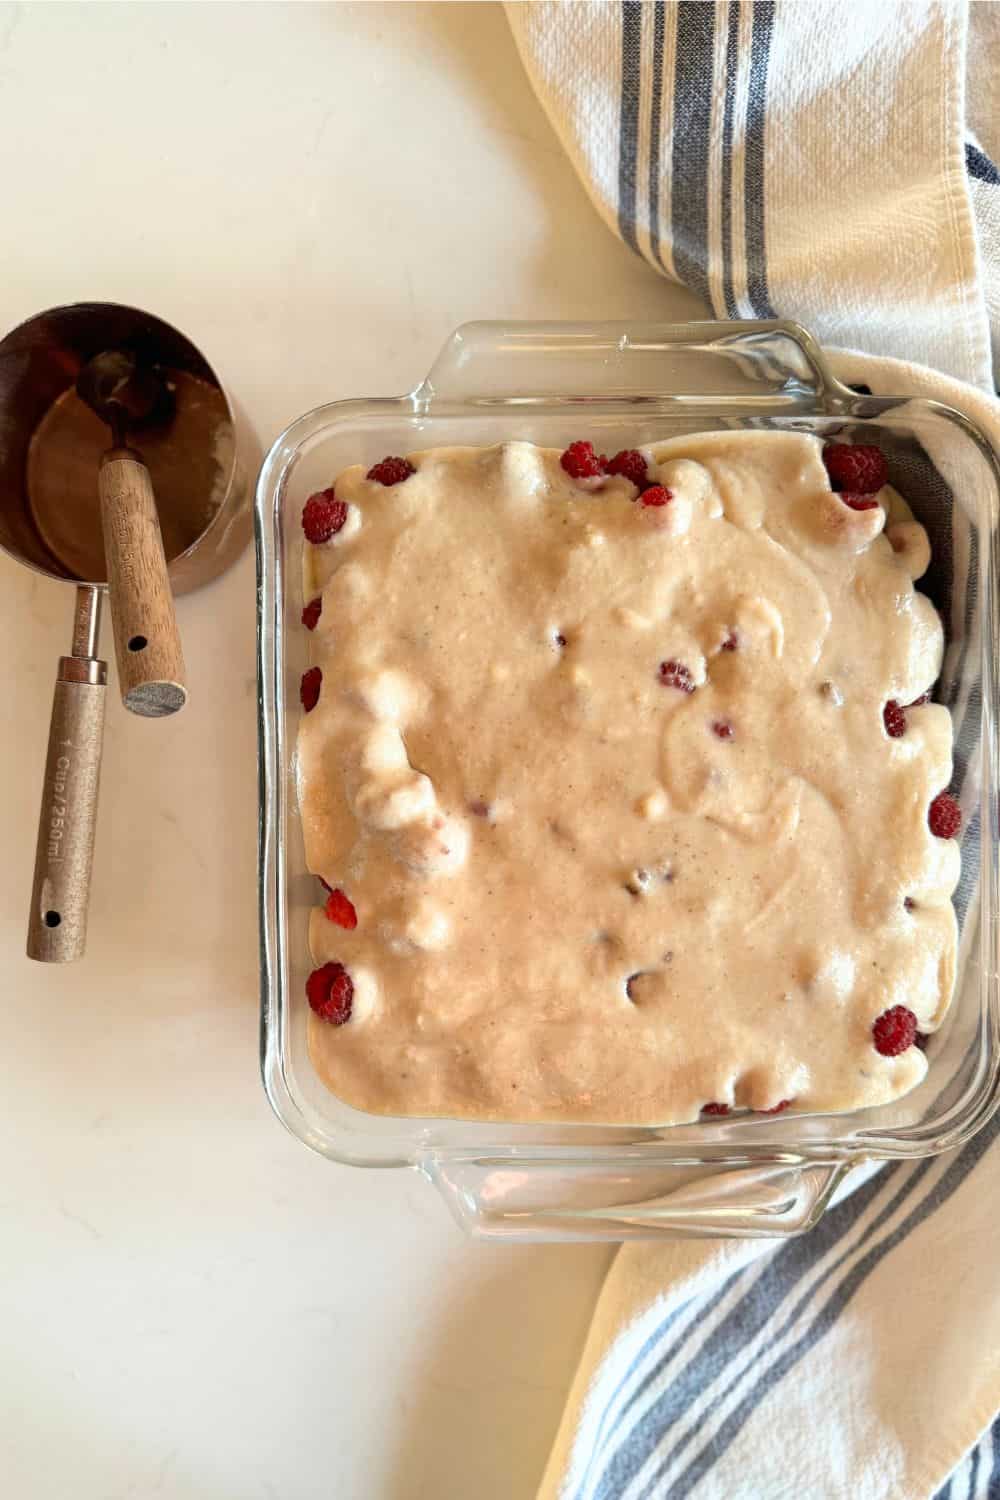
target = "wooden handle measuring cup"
x: 126, y: 394
x: 147, y: 643
x: 57, y: 920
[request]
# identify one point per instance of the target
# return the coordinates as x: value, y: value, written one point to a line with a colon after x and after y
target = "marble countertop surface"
x: 194, y: 1306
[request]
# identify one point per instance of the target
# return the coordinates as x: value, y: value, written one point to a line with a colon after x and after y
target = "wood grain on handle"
x: 147, y: 645
x: 57, y: 922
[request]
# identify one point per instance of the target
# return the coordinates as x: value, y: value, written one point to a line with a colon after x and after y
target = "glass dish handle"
x: 770, y: 364
x: 534, y: 1199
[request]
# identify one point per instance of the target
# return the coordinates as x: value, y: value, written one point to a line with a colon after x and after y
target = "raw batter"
x: 608, y: 787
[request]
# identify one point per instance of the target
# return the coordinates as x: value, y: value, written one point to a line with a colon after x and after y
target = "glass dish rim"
x: 738, y: 1140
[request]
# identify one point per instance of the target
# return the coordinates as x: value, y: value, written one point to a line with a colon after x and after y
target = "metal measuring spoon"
x: 147, y: 643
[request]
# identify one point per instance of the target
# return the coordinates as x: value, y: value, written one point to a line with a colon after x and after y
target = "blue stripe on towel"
x: 660, y: 1332
x: 760, y: 51
x: 689, y: 161
x: 732, y: 57
x: 655, y: 128
x: 710, y: 1304
x: 993, y: 1488
x: 979, y: 165
x: 628, y: 133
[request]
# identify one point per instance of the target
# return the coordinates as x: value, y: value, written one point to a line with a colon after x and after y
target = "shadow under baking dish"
x: 741, y: 1175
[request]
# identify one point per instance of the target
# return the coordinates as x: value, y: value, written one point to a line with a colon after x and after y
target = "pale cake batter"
x: 606, y: 789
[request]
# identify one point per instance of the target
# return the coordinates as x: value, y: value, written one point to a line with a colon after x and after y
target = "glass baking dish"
x: 622, y: 385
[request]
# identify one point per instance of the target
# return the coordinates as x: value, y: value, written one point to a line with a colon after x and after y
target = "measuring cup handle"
x: 147, y: 645
x: 57, y: 922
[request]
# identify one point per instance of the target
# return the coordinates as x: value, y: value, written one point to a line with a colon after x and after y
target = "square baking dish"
x: 626, y: 385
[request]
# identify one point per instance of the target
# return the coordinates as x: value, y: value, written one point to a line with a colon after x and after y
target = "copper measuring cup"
x: 51, y: 449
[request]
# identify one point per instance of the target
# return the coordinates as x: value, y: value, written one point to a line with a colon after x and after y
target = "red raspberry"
x: 391, y: 471
x: 723, y: 729
x: 340, y: 909
x: 894, y: 1030
x: 312, y: 681
x: 330, y: 992
x: 777, y: 1109
x: 855, y: 467
x: 581, y: 462
x: 715, y: 1109
x: 323, y: 516
x: 894, y: 720
x: 732, y: 642
x: 630, y: 464
x: 312, y: 612
x: 657, y: 494
x: 944, y: 816
x: 858, y: 502
x: 676, y: 675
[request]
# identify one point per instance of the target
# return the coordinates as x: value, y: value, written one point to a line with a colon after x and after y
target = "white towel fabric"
x: 805, y: 160
x: 825, y: 162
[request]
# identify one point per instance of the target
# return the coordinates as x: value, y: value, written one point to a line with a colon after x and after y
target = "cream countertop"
x: 194, y: 1306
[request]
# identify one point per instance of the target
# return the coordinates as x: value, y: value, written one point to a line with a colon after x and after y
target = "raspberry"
x: 330, y: 992
x: 894, y: 1030
x: 944, y: 816
x: 323, y: 516
x: 723, y: 729
x: 777, y: 1109
x: 894, y: 720
x: 676, y: 675
x: 312, y: 612
x: 630, y: 464
x: 858, y: 502
x: 581, y: 462
x: 311, y: 683
x: 732, y: 642
x: 855, y: 467
x: 715, y: 1109
x: 657, y: 494
x: 340, y: 909
x: 391, y: 471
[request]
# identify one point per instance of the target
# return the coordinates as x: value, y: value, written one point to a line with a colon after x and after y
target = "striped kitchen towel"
x: 818, y: 161
x: 833, y: 163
